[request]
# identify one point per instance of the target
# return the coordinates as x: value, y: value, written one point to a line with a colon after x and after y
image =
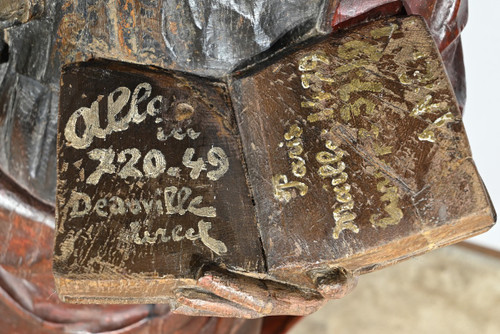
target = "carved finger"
x: 289, y: 300
x: 195, y: 302
x: 250, y: 293
x: 335, y: 283
x: 263, y: 297
x: 196, y: 312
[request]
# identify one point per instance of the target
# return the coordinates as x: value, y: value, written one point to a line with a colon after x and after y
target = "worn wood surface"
x: 43, y: 35
x: 367, y: 155
x: 343, y: 155
x: 151, y: 179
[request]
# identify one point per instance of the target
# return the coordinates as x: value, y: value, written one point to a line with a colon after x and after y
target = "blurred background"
x: 455, y: 289
x: 481, y: 44
x: 450, y: 290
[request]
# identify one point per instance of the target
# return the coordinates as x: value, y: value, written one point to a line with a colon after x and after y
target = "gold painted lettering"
x: 105, y: 158
x: 356, y: 48
x: 175, y: 233
x: 117, y: 120
x: 182, y: 197
x: 280, y: 183
x: 217, y: 157
x: 218, y: 247
x: 154, y: 163
x: 295, y: 149
x: 117, y: 207
x: 134, y: 206
x: 115, y: 106
x: 428, y: 134
x: 75, y: 202
x: 344, y: 219
x: 206, y: 211
x: 99, y: 205
x: 90, y: 119
x: 386, y: 31
x: 129, y: 169
x: 357, y: 85
x: 196, y: 166
x: 169, y: 199
x: 426, y: 106
x: 390, y: 195
x: 310, y: 62
x: 147, y: 205
x: 134, y: 103
x: 342, y: 214
x: 190, y: 234
x: 151, y: 109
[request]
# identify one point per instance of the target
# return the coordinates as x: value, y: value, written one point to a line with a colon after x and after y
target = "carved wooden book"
x: 347, y: 151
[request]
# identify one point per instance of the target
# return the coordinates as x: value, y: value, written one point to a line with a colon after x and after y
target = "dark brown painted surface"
x: 131, y: 201
x: 380, y: 95
x: 58, y: 34
x: 351, y: 144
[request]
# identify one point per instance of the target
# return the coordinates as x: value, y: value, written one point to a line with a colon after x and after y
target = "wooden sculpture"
x: 342, y: 155
x: 283, y: 83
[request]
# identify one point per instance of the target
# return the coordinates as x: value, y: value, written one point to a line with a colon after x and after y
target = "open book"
x: 346, y: 151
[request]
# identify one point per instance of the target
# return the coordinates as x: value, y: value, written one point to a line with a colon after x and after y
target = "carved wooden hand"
x: 224, y: 294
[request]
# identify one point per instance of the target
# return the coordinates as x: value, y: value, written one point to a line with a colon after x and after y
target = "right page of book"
x: 356, y: 152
